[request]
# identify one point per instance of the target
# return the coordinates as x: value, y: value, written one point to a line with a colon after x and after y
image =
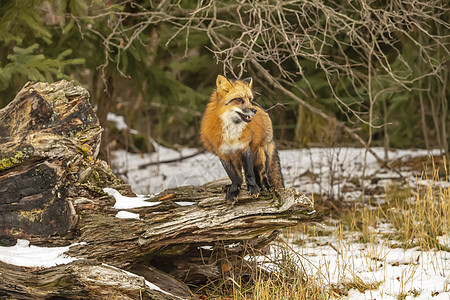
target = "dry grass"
x: 418, y: 217
x: 285, y: 281
x: 408, y: 218
x: 422, y: 217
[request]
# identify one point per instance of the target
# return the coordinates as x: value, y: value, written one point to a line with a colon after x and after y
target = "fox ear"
x: 249, y: 80
x: 222, y: 83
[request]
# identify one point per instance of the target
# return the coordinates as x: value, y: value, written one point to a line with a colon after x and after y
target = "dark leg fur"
x: 235, y: 174
x: 247, y: 161
x: 257, y: 176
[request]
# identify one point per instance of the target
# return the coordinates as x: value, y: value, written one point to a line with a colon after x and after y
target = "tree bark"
x: 51, y: 193
x: 82, y: 279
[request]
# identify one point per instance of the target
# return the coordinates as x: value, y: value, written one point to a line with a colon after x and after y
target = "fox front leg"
x: 261, y: 168
x: 247, y: 161
x: 235, y: 174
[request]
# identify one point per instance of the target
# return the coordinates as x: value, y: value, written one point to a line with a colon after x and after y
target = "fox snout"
x: 246, y: 114
x: 249, y: 111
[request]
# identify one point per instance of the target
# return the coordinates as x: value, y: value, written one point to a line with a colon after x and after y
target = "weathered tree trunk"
x: 82, y: 279
x: 51, y: 193
x: 46, y: 134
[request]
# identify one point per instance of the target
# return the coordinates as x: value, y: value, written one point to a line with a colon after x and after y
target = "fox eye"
x: 240, y: 100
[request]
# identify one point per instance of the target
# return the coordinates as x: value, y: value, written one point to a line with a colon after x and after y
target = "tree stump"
x: 51, y: 193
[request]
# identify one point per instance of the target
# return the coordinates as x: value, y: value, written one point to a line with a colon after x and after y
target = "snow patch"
x: 123, y: 202
x: 119, y: 122
x: 26, y: 255
x: 127, y: 215
x: 185, y: 203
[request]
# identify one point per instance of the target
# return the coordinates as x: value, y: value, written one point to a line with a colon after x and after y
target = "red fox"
x: 240, y: 132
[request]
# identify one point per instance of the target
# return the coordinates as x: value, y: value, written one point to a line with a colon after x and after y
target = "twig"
x: 278, y: 104
x: 171, y: 160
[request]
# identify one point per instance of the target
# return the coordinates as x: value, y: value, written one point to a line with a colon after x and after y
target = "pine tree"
x: 24, y: 38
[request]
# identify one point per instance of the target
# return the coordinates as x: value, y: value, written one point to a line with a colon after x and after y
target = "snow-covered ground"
x: 335, y: 172
x: 413, y: 273
x: 393, y: 272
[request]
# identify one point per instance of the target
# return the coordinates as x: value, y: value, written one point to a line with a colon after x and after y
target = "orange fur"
x: 212, y: 125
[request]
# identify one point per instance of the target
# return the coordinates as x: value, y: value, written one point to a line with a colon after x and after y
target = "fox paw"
x: 232, y: 193
x: 254, y: 190
x: 231, y: 199
x: 226, y: 188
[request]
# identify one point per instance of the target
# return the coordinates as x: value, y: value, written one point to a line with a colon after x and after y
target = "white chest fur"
x: 232, y: 127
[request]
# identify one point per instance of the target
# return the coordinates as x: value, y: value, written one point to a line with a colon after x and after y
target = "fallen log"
x: 54, y: 190
x: 82, y: 279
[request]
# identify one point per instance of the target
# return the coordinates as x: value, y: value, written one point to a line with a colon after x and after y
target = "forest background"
x: 331, y: 73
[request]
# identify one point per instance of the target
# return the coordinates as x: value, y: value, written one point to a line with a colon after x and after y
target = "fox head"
x: 236, y: 99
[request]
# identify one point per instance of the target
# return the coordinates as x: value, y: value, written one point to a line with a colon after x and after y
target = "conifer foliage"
x: 372, y: 73
x: 25, y: 41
